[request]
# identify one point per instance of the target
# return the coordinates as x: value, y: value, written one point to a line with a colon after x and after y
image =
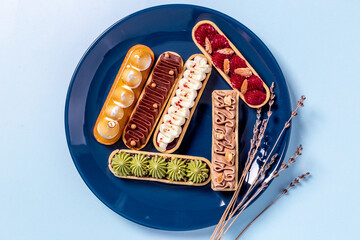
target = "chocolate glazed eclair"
x: 152, y: 100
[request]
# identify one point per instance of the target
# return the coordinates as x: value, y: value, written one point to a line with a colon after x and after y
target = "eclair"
x: 152, y: 100
x: 159, y: 167
x: 182, y: 104
x: 225, y: 143
x: 231, y: 64
x: 123, y: 94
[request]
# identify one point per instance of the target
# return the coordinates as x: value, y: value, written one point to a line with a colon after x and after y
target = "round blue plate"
x: 164, y: 28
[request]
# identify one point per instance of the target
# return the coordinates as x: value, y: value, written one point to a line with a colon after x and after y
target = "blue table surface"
x: 317, y: 45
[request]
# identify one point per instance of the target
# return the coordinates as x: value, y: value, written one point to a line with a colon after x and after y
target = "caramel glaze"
x: 165, y: 72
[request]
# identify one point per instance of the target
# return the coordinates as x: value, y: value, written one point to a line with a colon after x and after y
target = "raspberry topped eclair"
x: 231, y: 64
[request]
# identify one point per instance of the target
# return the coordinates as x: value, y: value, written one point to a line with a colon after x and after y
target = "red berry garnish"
x: 236, y: 62
x: 255, y: 97
x: 236, y: 81
x: 219, y: 42
x: 204, y: 31
x: 255, y: 83
x: 218, y: 59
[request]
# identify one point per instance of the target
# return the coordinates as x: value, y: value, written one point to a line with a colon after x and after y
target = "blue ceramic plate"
x: 163, y: 28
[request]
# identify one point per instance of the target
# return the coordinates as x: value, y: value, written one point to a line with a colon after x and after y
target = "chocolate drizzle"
x: 224, y: 155
x: 155, y: 94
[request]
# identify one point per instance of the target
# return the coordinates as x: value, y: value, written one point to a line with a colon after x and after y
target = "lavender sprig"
x: 258, y: 134
x: 230, y: 210
x: 263, y: 186
x: 283, y: 192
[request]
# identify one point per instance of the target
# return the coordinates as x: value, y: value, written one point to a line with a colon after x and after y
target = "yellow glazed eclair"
x: 123, y: 94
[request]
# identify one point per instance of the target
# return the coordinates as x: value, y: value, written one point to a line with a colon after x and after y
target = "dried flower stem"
x: 258, y: 217
x: 284, y: 166
x: 254, y: 146
x: 219, y: 230
x: 283, y: 192
x: 262, y: 170
x: 224, y: 231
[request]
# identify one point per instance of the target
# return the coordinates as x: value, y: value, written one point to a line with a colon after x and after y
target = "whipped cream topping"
x: 183, y: 101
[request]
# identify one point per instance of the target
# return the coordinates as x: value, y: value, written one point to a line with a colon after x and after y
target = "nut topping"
x: 226, y: 66
x: 133, y: 126
x: 227, y: 100
x: 133, y: 143
x: 167, y: 55
x: 171, y: 72
x: 208, y: 47
x: 228, y: 156
x: 226, y: 51
x: 244, y: 87
x: 219, y: 136
x: 153, y: 85
x: 220, y: 177
x: 245, y: 72
x: 155, y: 105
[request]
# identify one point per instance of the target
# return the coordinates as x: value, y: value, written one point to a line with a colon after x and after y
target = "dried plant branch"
x: 284, y: 166
x: 255, y: 142
x: 283, y: 192
x: 276, y: 173
x: 254, y: 145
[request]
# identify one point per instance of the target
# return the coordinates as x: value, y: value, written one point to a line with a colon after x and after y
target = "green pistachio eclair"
x: 157, y: 167
x: 196, y: 171
x: 121, y: 164
x: 176, y: 169
x: 139, y: 165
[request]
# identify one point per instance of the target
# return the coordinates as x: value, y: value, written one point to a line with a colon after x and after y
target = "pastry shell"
x: 192, y: 110
x: 156, y: 120
x: 185, y: 157
x: 237, y: 52
x: 118, y: 83
x: 236, y: 141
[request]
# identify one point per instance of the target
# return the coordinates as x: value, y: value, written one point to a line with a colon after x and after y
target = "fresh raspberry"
x: 236, y: 62
x: 255, y: 83
x: 218, y: 59
x: 204, y: 31
x: 255, y: 97
x: 219, y: 42
x: 236, y: 81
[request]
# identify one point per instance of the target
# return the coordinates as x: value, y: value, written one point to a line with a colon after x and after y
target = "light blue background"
x: 317, y: 44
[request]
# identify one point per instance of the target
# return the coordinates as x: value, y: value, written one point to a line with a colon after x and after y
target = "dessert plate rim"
x: 175, y: 7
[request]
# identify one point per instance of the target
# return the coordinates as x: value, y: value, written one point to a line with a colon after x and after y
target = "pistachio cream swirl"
x: 176, y: 169
x: 196, y: 171
x: 121, y: 163
x: 139, y: 165
x: 157, y: 167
